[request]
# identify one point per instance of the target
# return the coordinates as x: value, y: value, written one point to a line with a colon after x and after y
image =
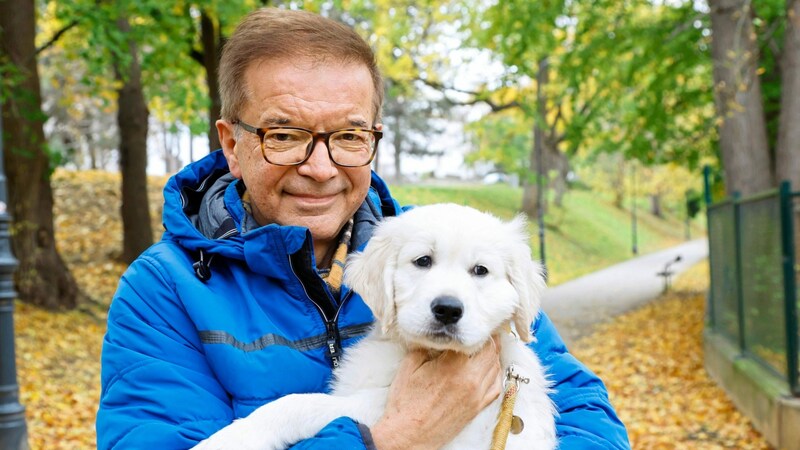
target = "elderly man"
x: 242, y: 303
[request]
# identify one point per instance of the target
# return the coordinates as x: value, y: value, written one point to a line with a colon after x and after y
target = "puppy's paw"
x: 239, y: 435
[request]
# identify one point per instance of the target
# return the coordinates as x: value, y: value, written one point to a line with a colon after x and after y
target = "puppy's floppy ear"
x: 526, y: 276
x: 371, y: 274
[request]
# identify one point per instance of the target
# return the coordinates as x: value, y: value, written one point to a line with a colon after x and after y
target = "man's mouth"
x: 314, y: 199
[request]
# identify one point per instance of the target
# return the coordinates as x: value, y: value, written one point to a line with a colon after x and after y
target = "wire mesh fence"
x: 754, y: 299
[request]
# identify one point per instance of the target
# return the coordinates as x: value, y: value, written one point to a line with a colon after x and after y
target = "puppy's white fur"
x: 473, y: 257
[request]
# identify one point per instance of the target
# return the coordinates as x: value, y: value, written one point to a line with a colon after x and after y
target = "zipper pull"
x: 334, y: 346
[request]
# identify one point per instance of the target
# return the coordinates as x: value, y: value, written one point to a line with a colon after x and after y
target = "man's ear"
x: 227, y: 138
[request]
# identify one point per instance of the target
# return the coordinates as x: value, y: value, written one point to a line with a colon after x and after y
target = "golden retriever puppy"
x: 439, y: 277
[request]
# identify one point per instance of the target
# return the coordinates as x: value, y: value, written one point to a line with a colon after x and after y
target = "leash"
x: 507, y: 422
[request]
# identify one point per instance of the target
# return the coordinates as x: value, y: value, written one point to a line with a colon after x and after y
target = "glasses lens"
x: 352, y: 147
x: 286, y: 146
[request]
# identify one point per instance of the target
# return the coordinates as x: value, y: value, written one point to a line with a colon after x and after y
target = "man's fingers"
x: 413, y: 361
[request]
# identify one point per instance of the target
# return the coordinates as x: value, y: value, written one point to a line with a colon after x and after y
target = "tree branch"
x: 478, y: 97
x: 56, y: 36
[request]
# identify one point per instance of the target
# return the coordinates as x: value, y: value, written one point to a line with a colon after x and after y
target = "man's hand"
x: 432, y: 400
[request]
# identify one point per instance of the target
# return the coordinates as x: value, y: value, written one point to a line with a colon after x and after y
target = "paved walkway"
x: 578, y: 304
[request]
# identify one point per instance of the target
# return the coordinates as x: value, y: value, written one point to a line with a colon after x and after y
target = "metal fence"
x: 754, y: 299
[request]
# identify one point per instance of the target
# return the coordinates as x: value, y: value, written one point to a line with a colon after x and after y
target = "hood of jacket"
x: 203, y: 212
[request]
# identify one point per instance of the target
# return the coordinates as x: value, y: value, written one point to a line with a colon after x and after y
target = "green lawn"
x: 586, y: 234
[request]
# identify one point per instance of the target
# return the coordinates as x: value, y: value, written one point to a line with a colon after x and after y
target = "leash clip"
x: 512, y: 375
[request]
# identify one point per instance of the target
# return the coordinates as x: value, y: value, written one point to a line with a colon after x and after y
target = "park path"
x: 577, y: 305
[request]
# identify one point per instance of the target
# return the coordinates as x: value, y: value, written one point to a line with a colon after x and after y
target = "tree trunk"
x: 398, y: 149
x: 558, y: 161
x: 132, y: 118
x: 41, y: 278
x: 787, y: 154
x: 618, y: 167
x: 212, y: 43
x: 531, y: 195
x: 655, y: 205
x: 743, y: 133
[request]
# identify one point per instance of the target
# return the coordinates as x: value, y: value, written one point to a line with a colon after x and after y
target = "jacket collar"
x: 203, y: 212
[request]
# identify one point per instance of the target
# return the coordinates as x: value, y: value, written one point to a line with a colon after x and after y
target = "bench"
x: 667, y: 273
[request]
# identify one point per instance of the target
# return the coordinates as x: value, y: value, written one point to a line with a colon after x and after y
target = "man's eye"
x: 480, y: 270
x: 283, y: 137
x: 423, y: 261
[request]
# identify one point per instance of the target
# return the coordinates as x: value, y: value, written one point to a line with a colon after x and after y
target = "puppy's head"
x: 446, y: 277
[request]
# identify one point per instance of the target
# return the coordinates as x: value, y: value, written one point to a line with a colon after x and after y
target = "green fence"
x: 754, y: 299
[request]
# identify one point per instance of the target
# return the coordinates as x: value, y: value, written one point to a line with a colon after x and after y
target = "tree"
x: 108, y: 26
x: 42, y: 277
x: 411, y: 123
x: 757, y: 80
x: 503, y: 139
x: 787, y: 153
x: 206, y: 41
x: 406, y: 36
x: 553, y: 43
x: 743, y: 129
x: 211, y: 43
x: 132, y: 118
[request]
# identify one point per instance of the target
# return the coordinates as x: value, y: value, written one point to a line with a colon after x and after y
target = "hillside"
x: 586, y: 234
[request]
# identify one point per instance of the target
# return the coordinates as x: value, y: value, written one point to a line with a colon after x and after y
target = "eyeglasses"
x: 292, y: 146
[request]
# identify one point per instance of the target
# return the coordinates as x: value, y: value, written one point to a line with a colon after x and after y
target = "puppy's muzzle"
x: 447, y: 310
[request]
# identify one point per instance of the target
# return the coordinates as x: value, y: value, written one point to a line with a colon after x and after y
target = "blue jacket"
x: 212, y: 322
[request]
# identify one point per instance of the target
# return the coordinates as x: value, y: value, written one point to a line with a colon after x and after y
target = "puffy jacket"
x: 212, y: 322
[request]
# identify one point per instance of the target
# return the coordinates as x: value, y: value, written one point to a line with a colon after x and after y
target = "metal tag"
x: 517, y: 425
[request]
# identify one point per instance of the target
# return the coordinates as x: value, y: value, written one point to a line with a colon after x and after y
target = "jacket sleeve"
x: 586, y: 418
x: 158, y: 390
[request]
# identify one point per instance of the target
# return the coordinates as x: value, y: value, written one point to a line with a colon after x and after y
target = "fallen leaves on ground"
x: 58, y: 354
x: 651, y: 359
x: 58, y: 358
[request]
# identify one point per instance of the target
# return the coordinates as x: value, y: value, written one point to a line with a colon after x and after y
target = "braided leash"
x: 507, y: 422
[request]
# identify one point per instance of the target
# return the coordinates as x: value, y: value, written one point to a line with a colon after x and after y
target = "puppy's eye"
x: 423, y: 261
x: 480, y: 270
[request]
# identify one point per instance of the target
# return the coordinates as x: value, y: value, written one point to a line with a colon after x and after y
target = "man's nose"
x: 319, y: 165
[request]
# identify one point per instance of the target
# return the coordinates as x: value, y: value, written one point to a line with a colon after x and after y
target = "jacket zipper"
x: 332, y: 338
x: 335, y: 345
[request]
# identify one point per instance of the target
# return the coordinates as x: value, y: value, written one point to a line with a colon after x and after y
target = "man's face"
x: 320, y: 97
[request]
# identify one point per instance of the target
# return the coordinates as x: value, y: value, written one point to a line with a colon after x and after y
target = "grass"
x: 586, y: 234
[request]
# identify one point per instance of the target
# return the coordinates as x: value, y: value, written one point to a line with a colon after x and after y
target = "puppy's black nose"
x: 447, y: 309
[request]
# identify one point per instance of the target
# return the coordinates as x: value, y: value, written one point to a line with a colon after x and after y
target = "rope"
x: 503, y: 427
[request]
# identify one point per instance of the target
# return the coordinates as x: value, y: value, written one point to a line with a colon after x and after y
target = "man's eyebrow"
x: 269, y: 121
x: 272, y: 121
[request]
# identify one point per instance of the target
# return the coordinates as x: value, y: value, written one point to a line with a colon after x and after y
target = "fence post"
x: 790, y: 287
x: 737, y: 229
x: 710, y: 297
x: 13, y: 431
x: 707, y: 184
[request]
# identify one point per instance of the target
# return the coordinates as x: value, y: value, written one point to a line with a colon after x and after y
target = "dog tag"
x: 517, y: 425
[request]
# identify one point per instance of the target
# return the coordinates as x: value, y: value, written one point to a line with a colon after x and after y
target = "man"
x: 242, y: 303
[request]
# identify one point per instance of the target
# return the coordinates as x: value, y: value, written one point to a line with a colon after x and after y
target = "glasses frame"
x: 315, y: 136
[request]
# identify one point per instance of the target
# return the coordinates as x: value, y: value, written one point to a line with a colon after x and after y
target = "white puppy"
x: 439, y: 277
